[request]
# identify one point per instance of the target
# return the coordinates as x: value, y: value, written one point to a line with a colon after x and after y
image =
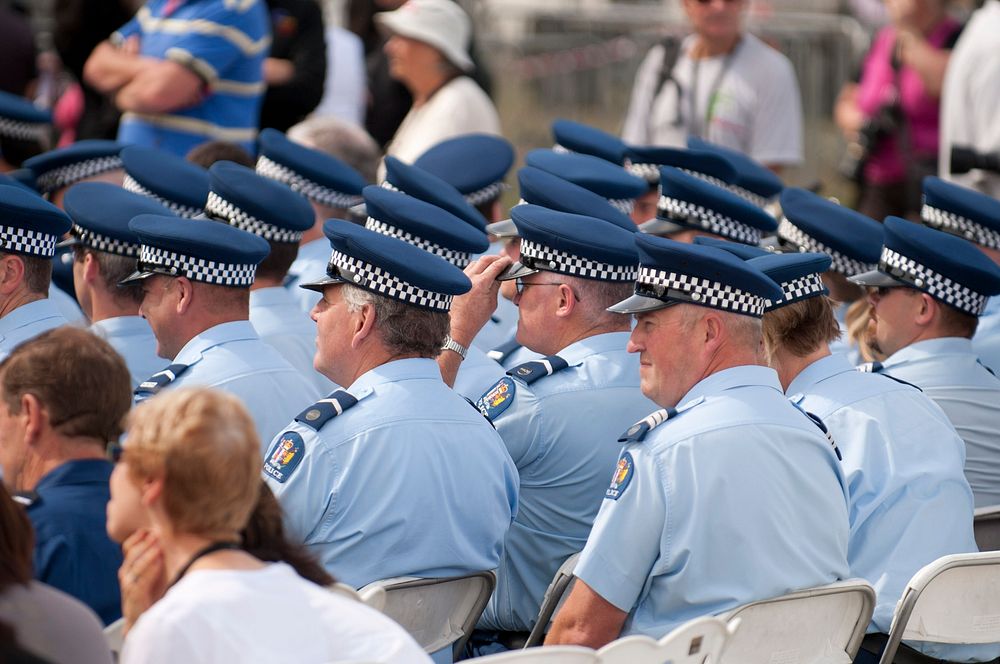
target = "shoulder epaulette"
x: 503, y: 351
x: 317, y: 415
x: 980, y: 362
x: 638, y: 431
x: 534, y: 370
x: 877, y: 368
x: 155, y: 383
x: 818, y: 421
x: 25, y: 498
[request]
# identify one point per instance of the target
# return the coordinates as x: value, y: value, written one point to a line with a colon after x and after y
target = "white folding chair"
x: 546, y: 655
x: 822, y: 625
x: 436, y: 612
x: 553, y: 599
x: 955, y: 599
x: 986, y: 526
x: 345, y: 590
x: 695, y: 642
x: 114, y: 637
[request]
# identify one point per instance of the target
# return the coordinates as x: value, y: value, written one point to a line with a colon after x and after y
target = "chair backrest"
x: 345, y: 590
x: 823, y: 624
x: 114, y: 636
x: 436, y: 612
x: 696, y: 642
x: 546, y: 655
x: 552, y: 600
x: 987, y: 528
x: 955, y: 599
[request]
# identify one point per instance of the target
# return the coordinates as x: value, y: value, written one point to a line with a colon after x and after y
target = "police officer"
x: 104, y: 253
x: 976, y: 217
x: 172, y: 181
x: 604, y: 178
x: 560, y: 416
x: 396, y: 475
x: 811, y: 223
x: 63, y: 396
x: 241, y: 198
x: 195, y: 277
x: 697, y: 519
x: 29, y: 230
x: 910, y: 503
x: 926, y: 296
x: 331, y: 187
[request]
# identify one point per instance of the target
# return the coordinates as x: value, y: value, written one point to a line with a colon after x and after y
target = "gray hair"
x: 745, y: 331
x: 596, y: 296
x: 405, y: 329
x: 343, y: 140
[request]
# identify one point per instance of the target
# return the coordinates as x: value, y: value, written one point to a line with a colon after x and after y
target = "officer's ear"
x: 926, y: 310
x: 11, y: 273
x: 184, y: 294
x: 364, y: 324
x: 36, y: 418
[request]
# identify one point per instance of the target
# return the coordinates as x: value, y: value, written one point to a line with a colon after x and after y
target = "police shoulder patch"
x: 622, y: 477
x: 285, y: 456
x: 324, y: 410
x: 497, y: 399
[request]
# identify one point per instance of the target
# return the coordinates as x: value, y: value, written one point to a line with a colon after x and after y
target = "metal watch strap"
x: 451, y: 344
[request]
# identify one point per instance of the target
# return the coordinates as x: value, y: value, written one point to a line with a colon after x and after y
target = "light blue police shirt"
x: 27, y: 322
x: 562, y: 432
x: 67, y: 306
x: 737, y: 498
x: 986, y: 342
x: 133, y: 339
x: 231, y: 357
x: 278, y: 319
x: 501, y: 326
x: 948, y: 371
x: 910, y: 503
x: 409, y: 481
x: 476, y: 374
x: 843, y: 345
x: 309, y: 265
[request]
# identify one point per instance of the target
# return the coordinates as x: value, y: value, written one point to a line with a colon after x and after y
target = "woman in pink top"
x: 893, y: 109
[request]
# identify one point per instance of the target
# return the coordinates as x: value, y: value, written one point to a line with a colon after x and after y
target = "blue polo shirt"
x: 225, y: 43
x: 72, y: 549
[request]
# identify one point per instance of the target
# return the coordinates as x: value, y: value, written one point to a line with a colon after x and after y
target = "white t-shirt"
x: 266, y: 616
x: 756, y: 110
x: 459, y: 107
x: 970, y: 97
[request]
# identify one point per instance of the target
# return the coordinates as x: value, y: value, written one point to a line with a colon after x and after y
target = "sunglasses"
x: 520, y: 284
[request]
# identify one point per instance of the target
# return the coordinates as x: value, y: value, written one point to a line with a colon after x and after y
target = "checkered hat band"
x: 748, y: 195
x: 623, y: 205
x: 23, y: 131
x: 486, y: 194
x: 32, y: 243
x: 709, y: 220
x: 950, y: 222
x: 701, y: 291
x: 458, y: 258
x: 935, y: 284
x: 799, y: 289
x: 648, y: 172
x: 390, y: 186
x: 840, y: 263
x: 561, y: 149
x: 310, y: 189
x: 711, y: 179
x: 64, y: 176
x: 131, y: 184
x: 373, y: 278
x: 220, y: 207
x: 237, y: 275
x: 109, y: 245
x: 538, y: 256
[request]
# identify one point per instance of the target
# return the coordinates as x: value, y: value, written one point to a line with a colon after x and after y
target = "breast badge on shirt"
x: 497, y: 399
x: 622, y: 477
x: 285, y: 456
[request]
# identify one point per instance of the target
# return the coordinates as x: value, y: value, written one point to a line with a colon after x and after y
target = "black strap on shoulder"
x: 503, y: 351
x: 155, y: 383
x: 534, y: 370
x: 877, y: 368
x: 980, y: 362
x: 826, y: 432
x: 324, y: 410
x: 637, y: 432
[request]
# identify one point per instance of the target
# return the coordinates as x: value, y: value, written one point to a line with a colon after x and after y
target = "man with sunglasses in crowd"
x: 720, y: 84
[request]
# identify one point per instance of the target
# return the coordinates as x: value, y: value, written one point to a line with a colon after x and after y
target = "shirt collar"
x: 578, y: 351
x: 237, y: 330
x: 818, y: 371
x: 393, y: 372
x: 26, y: 314
x: 120, y: 326
x: 929, y: 348
x: 731, y: 378
x: 79, y: 471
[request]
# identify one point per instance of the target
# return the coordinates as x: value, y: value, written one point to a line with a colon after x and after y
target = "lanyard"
x: 695, y: 129
x: 211, y: 548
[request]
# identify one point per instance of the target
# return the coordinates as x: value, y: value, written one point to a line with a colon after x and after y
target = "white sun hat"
x: 440, y: 23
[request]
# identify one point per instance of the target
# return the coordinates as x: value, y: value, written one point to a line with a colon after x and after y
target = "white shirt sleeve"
x: 776, y: 127
x: 636, y: 129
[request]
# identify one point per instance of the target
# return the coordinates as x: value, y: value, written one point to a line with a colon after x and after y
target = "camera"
x: 886, y: 122
x: 965, y: 159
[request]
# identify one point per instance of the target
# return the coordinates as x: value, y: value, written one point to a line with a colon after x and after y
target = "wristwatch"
x: 451, y: 344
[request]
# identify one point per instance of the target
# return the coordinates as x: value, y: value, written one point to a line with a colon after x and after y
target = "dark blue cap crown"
x: 738, y: 249
x: 645, y: 162
x: 475, y: 164
x: 584, y: 139
x: 421, y: 184
x: 19, y: 119
x: 256, y: 204
x: 752, y: 176
x: 390, y: 267
x: 599, y: 176
x: 318, y: 176
x: 961, y: 211
x: 101, y: 213
x: 799, y: 275
x: 167, y: 178
x: 813, y: 223
x: 542, y: 188
x: 427, y: 226
x: 29, y: 225
x: 66, y: 166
